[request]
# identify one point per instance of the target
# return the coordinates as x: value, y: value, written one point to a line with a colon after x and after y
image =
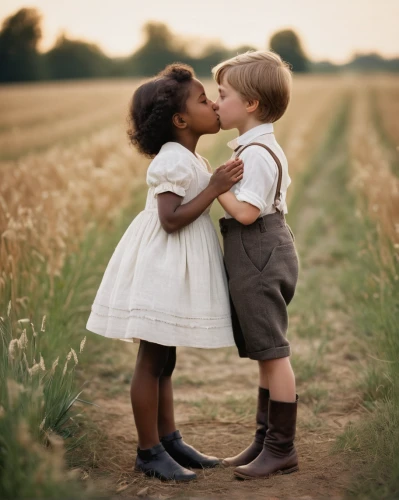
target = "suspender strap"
x: 277, y: 196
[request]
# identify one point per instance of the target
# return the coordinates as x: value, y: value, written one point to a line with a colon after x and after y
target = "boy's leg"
x: 253, y: 450
x: 278, y: 454
x: 263, y: 379
x: 279, y: 377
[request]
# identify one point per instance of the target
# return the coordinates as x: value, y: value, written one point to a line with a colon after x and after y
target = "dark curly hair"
x: 153, y: 105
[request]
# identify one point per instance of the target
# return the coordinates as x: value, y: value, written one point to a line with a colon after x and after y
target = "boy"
x: 260, y: 256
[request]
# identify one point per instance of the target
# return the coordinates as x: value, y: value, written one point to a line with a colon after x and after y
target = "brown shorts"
x: 262, y: 269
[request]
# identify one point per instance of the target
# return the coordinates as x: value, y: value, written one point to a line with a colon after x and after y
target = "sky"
x: 332, y: 30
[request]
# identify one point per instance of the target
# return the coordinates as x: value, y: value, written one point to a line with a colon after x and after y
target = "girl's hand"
x: 174, y: 215
x: 225, y: 176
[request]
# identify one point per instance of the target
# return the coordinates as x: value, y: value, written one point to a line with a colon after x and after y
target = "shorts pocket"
x: 255, y: 248
x: 281, y: 270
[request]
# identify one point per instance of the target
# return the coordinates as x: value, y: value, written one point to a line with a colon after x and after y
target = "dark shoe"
x: 278, y: 455
x: 186, y: 455
x: 253, y: 450
x: 155, y: 462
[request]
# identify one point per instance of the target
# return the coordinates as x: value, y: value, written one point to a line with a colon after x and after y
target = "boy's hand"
x: 227, y: 175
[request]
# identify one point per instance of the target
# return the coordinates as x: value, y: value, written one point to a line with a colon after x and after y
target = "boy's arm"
x: 249, y: 199
x: 243, y: 212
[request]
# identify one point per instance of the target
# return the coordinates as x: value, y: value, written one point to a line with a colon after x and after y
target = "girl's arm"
x: 242, y: 211
x: 174, y: 216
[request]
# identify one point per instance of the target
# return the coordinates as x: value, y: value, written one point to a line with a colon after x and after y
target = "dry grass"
x: 386, y: 94
x: 314, y: 103
x: 49, y: 201
x: 372, y: 173
x: 374, y: 282
x: 37, y: 117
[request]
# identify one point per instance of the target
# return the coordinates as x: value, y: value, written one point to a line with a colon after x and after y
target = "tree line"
x: 21, y: 60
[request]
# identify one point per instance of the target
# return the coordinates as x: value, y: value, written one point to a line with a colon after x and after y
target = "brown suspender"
x: 277, y: 196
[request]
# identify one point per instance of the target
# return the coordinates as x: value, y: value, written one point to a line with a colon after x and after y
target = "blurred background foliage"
x: 21, y: 60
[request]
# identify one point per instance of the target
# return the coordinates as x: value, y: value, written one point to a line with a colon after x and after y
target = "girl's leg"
x: 172, y: 440
x: 152, y: 458
x: 166, y: 414
x: 151, y: 360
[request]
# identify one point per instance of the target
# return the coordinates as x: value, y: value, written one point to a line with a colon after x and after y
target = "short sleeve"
x: 170, y: 171
x: 260, y: 174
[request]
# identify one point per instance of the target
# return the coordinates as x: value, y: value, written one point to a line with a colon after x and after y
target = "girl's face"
x: 200, y: 114
x: 231, y: 107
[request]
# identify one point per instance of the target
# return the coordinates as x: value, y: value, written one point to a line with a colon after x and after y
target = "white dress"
x: 170, y: 289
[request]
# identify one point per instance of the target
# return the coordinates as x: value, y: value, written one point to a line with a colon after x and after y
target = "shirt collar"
x: 250, y: 135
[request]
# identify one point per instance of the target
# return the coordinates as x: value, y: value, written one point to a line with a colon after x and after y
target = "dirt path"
x: 215, y: 391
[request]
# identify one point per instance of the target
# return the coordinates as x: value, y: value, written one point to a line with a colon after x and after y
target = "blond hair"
x: 262, y: 76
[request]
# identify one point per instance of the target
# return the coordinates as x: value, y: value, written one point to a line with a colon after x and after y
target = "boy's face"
x: 231, y: 107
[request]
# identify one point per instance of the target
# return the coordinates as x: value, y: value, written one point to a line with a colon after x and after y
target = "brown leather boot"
x: 278, y: 455
x: 253, y: 450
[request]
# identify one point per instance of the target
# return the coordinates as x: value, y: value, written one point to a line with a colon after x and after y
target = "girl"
x: 165, y: 283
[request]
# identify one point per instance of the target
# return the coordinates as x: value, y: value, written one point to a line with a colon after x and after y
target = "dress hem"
x: 137, y: 339
x: 107, y: 315
x: 160, y: 332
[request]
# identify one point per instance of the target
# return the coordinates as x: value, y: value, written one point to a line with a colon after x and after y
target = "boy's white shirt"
x: 259, y: 183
